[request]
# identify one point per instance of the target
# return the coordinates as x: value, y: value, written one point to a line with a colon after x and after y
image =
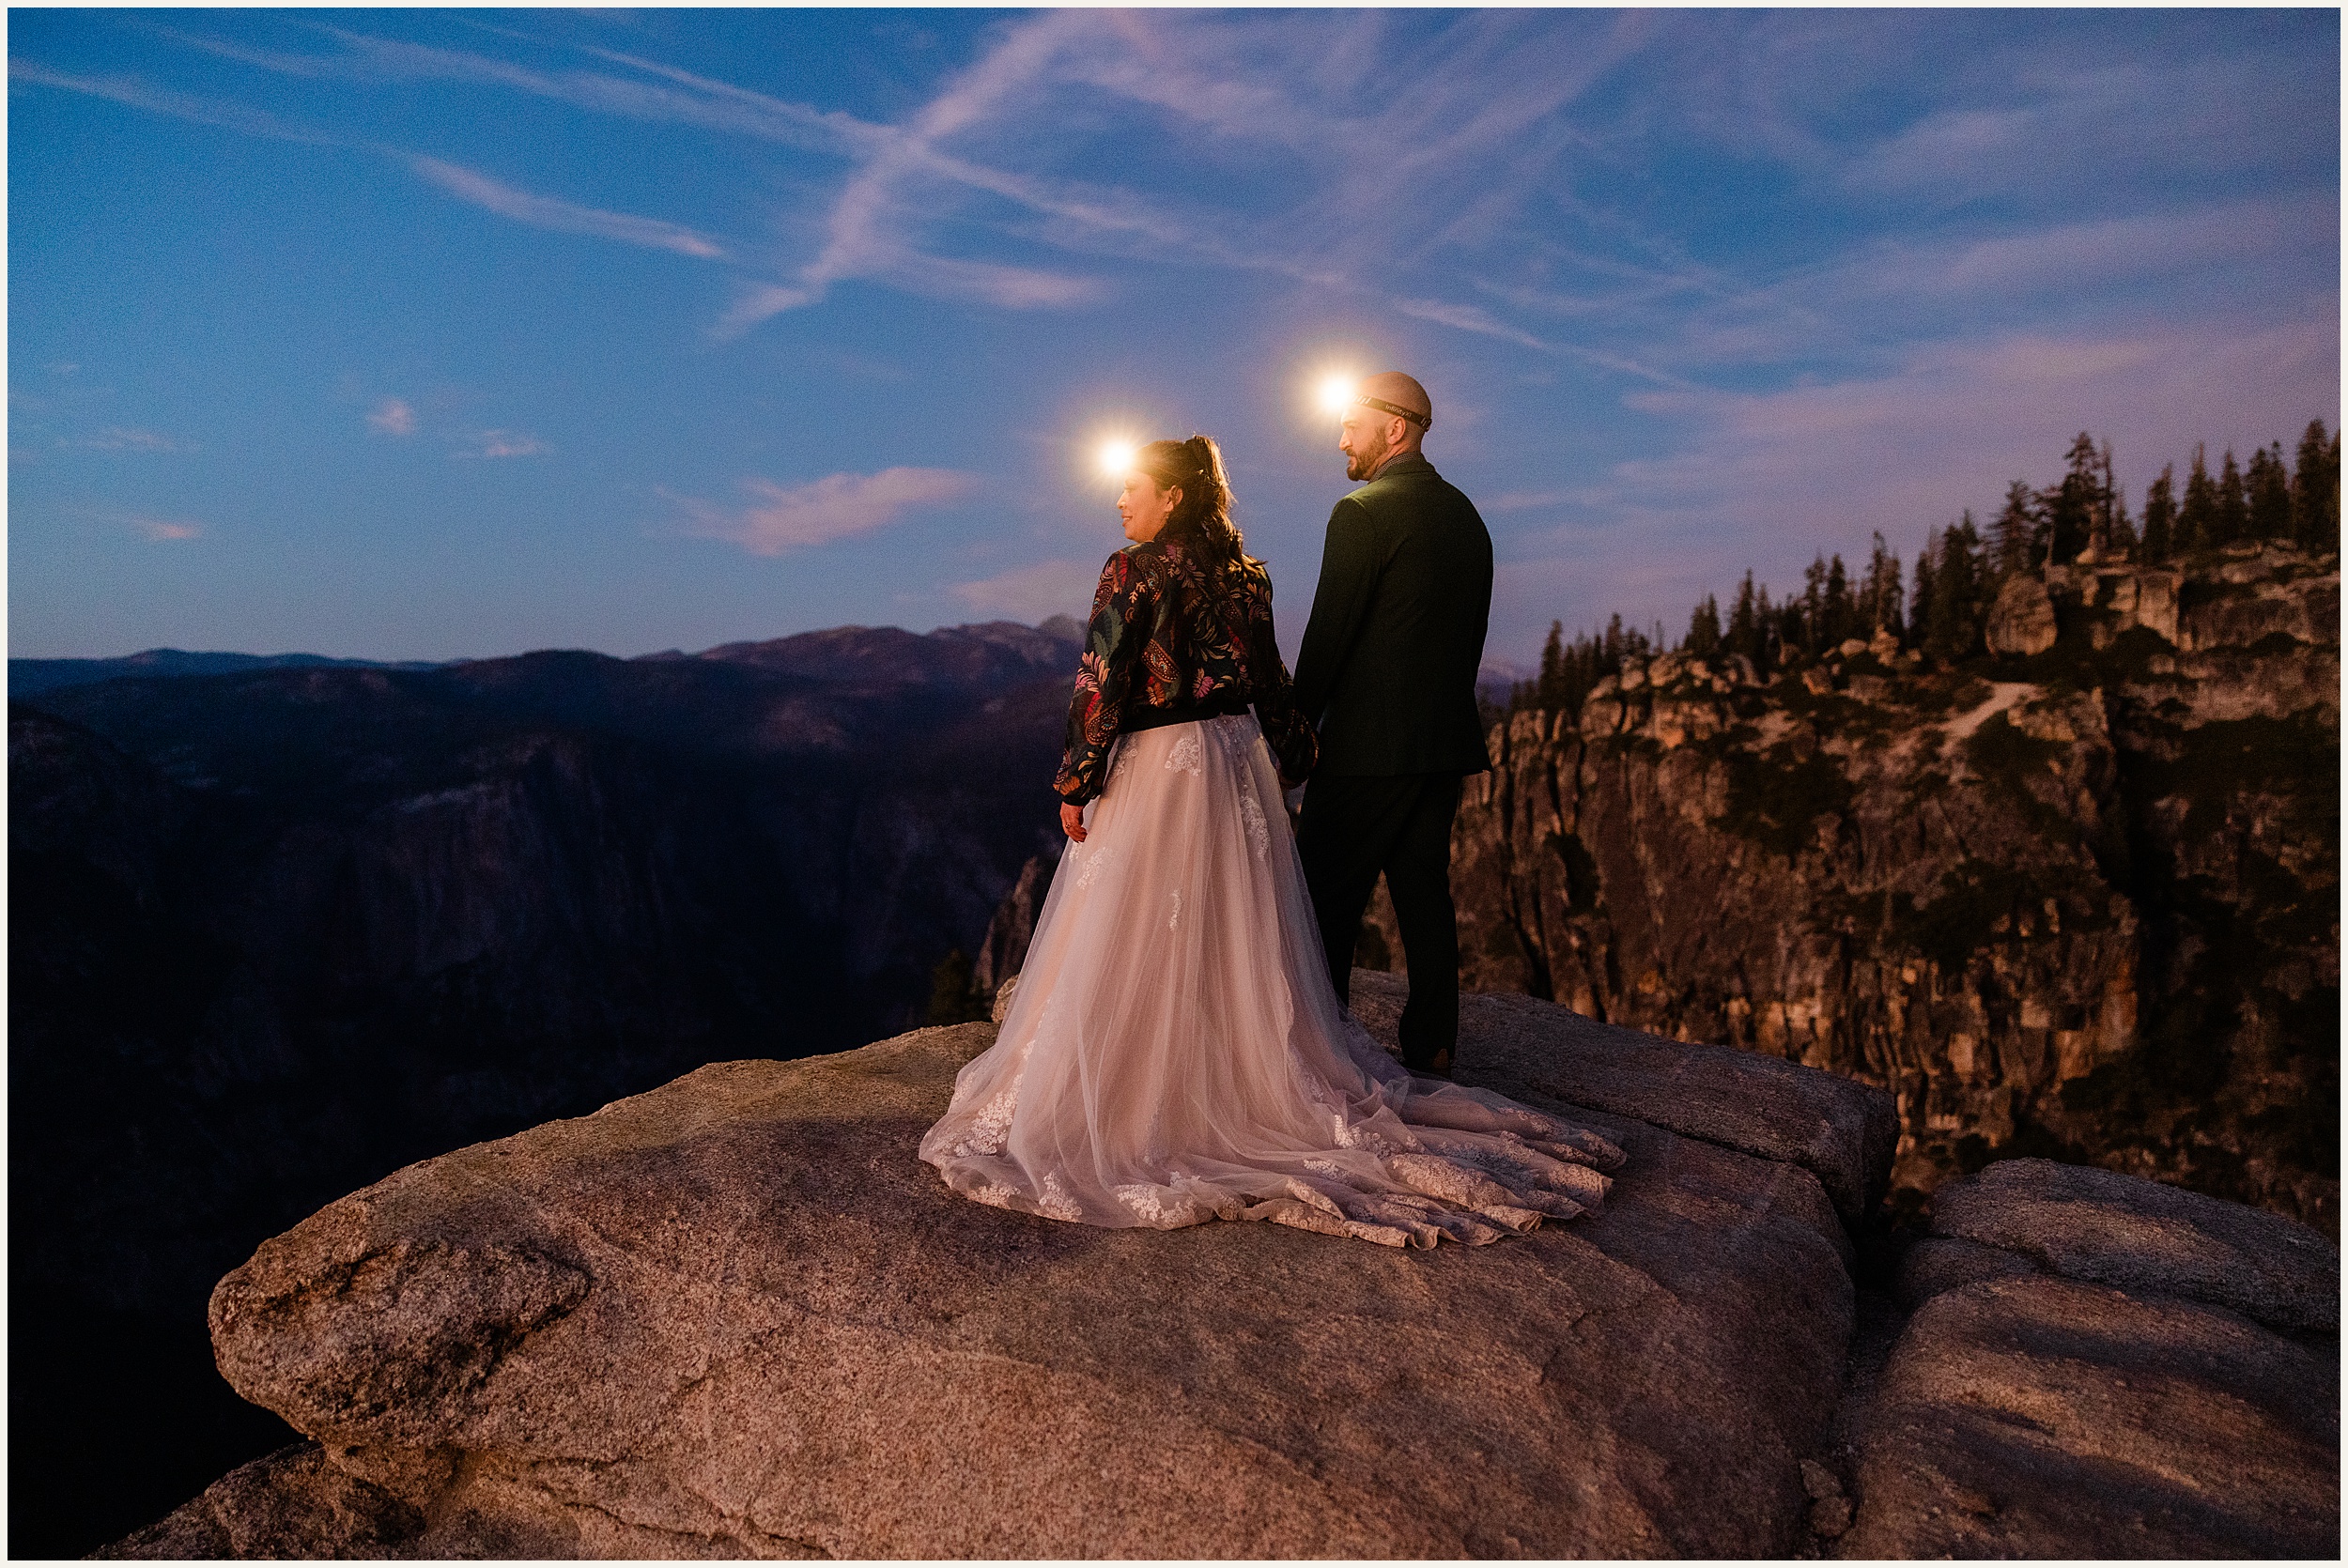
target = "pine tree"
x: 1838, y: 617
x: 1920, y: 593
x: 1810, y: 627
x: 2234, y: 507
x: 1704, y: 629
x: 2315, y: 492
x: 1880, y: 597
x: 2196, y: 517
x: 2018, y: 528
x: 2073, y: 507
x: 1953, y: 621
x: 2116, y: 534
x: 2161, y: 516
x: 1744, y: 624
x: 1548, y: 689
x: 2269, y: 485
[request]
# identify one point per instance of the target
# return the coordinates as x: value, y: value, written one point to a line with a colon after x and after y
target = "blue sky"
x: 414, y: 334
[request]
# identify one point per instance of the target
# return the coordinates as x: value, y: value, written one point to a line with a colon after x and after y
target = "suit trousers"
x: 1350, y: 831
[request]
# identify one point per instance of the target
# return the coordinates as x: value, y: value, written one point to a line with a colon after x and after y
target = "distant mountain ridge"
x: 28, y: 676
x: 950, y: 655
x: 282, y: 929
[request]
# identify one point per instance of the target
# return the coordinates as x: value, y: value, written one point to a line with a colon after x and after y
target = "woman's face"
x: 1144, y: 508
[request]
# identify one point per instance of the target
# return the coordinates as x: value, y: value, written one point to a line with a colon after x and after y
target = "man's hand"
x: 1072, y: 821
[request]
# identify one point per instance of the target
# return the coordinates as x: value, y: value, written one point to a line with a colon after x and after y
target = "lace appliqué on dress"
x: 1251, y: 812
x: 1184, y: 755
x: 1053, y: 1202
x: 991, y: 1127
x: 1160, y: 1206
x: 1175, y: 920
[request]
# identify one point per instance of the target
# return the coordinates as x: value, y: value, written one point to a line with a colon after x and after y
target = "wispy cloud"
x: 838, y: 506
x: 547, y: 213
x: 1032, y: 594
x: 1479, y: 101
x: 124, y: 439
x: 167, y: 530
x: 505, y: 443
x: 392, y: 416
x: 132, y: 93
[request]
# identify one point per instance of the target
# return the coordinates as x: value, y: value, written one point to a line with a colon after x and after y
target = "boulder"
x: 2093, y: 1224
x: 289, y: 1504
x: 2046, y: 1418
x: 1938, y: 1264
x: 737, y: 1315
x: 2022, y: 619
x: 1839, y: 1131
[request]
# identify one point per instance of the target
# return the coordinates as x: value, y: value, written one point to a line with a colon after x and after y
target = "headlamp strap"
x: 1384, y: 407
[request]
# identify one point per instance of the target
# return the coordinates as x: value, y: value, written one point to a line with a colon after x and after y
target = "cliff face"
x: 2078, y: 899
x: 735, y: 1316
x: 279, y: 933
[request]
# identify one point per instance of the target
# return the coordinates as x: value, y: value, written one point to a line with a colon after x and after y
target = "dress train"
x: 1174, y: 1053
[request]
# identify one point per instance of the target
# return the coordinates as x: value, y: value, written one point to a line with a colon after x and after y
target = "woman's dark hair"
x: 1202, y: 522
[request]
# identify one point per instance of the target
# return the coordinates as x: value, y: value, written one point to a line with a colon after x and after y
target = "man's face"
x: 1363, y: 439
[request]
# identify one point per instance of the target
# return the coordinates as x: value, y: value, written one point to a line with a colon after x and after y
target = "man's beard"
x: 1362, y: 463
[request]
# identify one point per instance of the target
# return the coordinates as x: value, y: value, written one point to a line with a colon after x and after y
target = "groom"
x: 1388, y: 670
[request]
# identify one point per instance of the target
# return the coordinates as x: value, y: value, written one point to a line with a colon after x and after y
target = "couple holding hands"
x: 1178, y: 1048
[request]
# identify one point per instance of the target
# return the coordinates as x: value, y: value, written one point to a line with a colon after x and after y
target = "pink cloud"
x: 393, y: 416
x: 838, y: 506
x: 507, y: 443
x: 1032, y: 594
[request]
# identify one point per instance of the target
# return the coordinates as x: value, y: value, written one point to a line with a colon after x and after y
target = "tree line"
x: 1942, y: 610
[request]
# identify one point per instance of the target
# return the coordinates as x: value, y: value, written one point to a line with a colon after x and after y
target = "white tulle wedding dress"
x: 1174, y: 1053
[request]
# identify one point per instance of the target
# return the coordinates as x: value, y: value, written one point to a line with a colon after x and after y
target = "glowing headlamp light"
x: 1338, y: 393
x: 1116, y: 458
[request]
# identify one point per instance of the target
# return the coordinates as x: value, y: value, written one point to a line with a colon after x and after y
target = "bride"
x: 1174, y: 1052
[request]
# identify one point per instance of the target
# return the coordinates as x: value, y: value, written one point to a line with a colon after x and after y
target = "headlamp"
x: 1411, y: 415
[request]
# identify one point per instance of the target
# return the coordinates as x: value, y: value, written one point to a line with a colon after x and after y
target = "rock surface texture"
x: 2079, y: 898
x: 2100, y: 1366
x: 737, y: 1316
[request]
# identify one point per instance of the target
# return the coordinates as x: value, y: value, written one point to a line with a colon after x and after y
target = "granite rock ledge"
x: 735, y: 1316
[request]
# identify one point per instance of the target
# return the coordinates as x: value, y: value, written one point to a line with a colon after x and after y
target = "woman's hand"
x: 1072, y: 821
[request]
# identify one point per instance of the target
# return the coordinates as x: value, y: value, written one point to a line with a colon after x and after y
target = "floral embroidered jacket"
x: 1165, y: 647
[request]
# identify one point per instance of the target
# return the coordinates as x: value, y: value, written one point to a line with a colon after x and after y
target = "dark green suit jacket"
x: 1388, y: 664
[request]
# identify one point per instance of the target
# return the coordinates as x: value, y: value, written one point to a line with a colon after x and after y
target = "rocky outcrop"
x: 2101, y: 1366
x: 2106, y: 1228
x: 735, y: 1316
x: 1841, y: 1132
x: 2023, y: 618
x: 2080, y: 902
x: 1004, y: 948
